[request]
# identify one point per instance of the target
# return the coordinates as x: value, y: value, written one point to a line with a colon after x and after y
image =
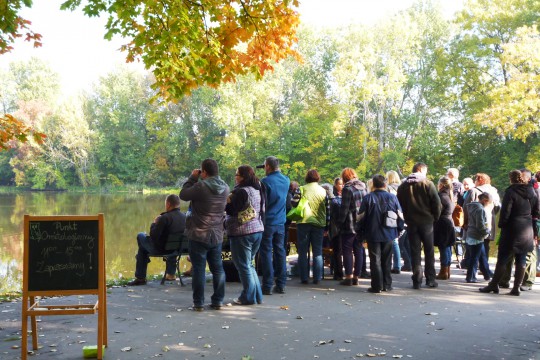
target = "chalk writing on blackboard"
x: 63, y: 255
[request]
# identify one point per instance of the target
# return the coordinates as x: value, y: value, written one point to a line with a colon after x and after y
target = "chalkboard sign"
x: 63, y: 254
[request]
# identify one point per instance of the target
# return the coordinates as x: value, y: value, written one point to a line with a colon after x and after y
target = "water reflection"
x: 125, y: 216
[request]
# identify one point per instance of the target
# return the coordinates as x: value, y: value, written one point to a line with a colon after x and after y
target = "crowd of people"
x: 392, y: 218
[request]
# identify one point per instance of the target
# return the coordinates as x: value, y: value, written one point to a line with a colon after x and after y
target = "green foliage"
x: 412, y: 88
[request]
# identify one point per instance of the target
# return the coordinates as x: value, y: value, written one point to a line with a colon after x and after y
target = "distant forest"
x: 415, y: 87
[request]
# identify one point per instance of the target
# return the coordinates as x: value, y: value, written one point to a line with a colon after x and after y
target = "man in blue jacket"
x: 272, y: 255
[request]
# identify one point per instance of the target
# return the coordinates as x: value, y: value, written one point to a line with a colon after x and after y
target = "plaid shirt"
x: 351, y: 199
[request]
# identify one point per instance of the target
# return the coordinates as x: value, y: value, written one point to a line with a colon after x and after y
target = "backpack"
x: 458, y: 216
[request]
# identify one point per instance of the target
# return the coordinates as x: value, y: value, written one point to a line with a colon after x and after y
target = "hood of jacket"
x: 215, y: 184
x: 357, y: 184
x: 473, y: 208
x: 525, y: 191
x: 415, y: 178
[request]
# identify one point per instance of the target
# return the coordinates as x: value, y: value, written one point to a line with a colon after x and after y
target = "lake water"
x: 125, y: 216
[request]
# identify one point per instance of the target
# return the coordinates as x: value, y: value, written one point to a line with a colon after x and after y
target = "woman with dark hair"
x: 444, y: 234
x: 245, y: 211
x: 311, y: 228
x: 519, y: 207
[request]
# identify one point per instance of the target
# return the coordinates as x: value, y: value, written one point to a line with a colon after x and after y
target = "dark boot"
x: 493, y: 285
x: 519, y: 274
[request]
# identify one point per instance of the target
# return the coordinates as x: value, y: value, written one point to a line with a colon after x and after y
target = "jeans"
x: 446, y: 255
x: 396, y: 254
x: 199, y: 254
x: 476, y: 252
x: 309, y: 235
x: 273, y: 260
x: 243, y: 249
x: 380, y: 263
x: 405, y: 250
x: 422, y: 234
x: 146, y: 248
x: 352, y: 246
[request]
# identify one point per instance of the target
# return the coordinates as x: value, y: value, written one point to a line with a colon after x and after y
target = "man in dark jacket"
x: 204, y: 230
x: 378, y: 234
x: 172, y: 221
x: 421, y: 208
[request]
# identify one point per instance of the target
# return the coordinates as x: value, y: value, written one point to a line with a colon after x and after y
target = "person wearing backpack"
x: 383, y: 221
x: 351, y: 198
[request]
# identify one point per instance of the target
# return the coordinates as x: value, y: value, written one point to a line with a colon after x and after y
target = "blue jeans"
x: 405, y: 250
x: 476, y: 251
x: 243, y: 250
x: 446, y: 255
x: 396, y: 254
x: 309, y: 235
x: 273, y: 259
x: 199, y: 254
x: 146, y: 248
x: 352, y: 246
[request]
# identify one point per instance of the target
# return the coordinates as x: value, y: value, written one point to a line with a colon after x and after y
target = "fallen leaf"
x: 397, y: 356
x: 225, y: 327
x: 343, y: 350
x: 165, y: 348
x: 432, y: 313
x: 432, y: 323
x: 284, y: 307
x: 168, y: 316
x: 247, y: 357
x: 127, y: 348
x: 207, y: 346
x: 371, y: 355
x: 359, y: 355
x: 348, y: 341
x: 138, y: 319
x: 299, y: 317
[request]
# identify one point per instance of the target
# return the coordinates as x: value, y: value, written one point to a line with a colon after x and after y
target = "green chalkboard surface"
x: 63, y: 255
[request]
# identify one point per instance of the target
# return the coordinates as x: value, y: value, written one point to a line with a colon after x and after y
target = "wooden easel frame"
x: 31, y: 307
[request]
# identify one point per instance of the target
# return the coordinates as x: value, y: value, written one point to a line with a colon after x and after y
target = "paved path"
x: 324, y: 321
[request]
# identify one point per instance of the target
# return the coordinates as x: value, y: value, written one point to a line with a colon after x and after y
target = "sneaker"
x: 137, y: 282
x: 365, y: 275
x: 432, y: 284
x: 405, y: 268
x: 278, y: 290
x: 215, y: 306
x: 197, y: 308
x: 389, y: 288
x: 395, y: 271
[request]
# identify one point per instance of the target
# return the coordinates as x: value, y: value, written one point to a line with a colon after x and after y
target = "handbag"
x: 297, y: 213
x: 247, y: 214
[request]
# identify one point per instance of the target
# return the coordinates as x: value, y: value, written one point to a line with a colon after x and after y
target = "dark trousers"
x: 380, y: 263
x: 352, y: 246
x: 422, y: 234
x: 337, y: 257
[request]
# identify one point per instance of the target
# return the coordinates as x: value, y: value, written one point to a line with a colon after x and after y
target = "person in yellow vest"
x: 313, y: 225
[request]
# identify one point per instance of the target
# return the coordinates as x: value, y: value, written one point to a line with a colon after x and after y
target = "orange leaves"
x: 12, y: 128
x: 189, y: 44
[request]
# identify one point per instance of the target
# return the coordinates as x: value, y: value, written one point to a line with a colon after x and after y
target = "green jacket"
x: 315, y: 213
